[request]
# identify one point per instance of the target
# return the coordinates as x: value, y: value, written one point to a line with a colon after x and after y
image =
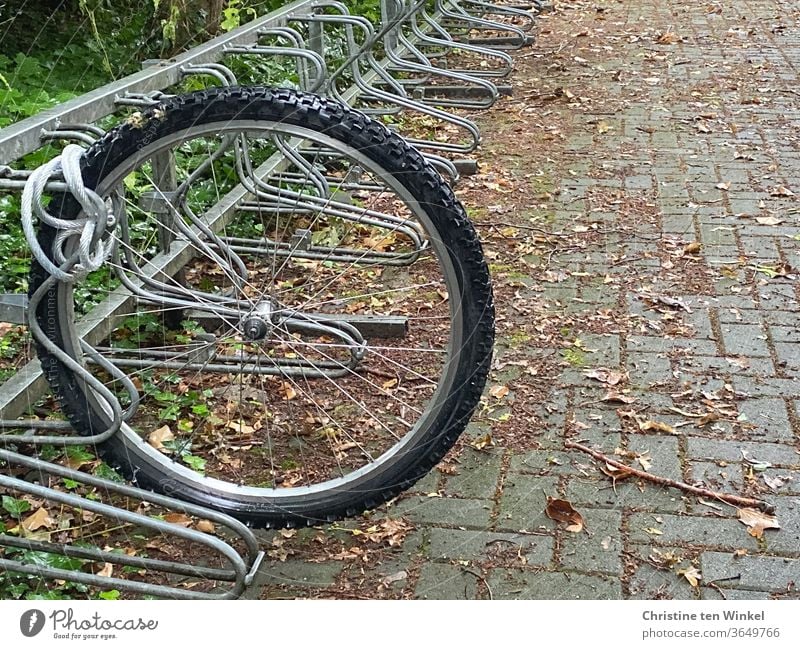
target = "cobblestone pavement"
x: 637, y: 200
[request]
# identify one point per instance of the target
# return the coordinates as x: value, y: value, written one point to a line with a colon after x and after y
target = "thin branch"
x: 730, y: 499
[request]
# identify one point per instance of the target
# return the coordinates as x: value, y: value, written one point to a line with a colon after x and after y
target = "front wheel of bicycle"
x: 296, y: 295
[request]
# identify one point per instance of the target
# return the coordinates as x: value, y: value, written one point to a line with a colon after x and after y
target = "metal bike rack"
x: 297, y: 31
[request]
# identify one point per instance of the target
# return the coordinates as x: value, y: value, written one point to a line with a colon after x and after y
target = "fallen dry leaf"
x: 609, y: 377
x: 768, y: 220
x: 668, y: 38
x: 482, y: 442
x: 159, y: 436
x: 776, y: 482
x: 106, y: 571
x: 40, y: 518
x: 691, y: 574
x: 499, y: 391
x: 288, y: 390
x: 176, y: 518
x: 691, y: 249
x: 757, y: 521
x: 206, y: 526
x: 645, y: 460
x: 675, y: 303
x: 240, y: 427
x: 398, y: 576
x: 562, y: 511
x: 656, y: 425
x: 780, y: 190
x: 612, y: 396
x: 615, y: 473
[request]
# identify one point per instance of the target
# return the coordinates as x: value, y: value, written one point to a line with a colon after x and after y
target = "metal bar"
x: 240, y: 529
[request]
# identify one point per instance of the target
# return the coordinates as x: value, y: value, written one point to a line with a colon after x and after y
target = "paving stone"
x: 663, y: 452
x: 767, y: 416
x: 755, y: 366
x: 662, y: 345
x: 785, y: 334
x: 788, y: 354
x: 787, y: 538
x: 744, y: 340
x: 689, y: 530
x: 648, y: 582
x: 731, y: 451
x: 466, y: 545
x: 626, y: 494
x: 646, y: 369
x: 544, y: 462
x: 733, y: 594
x: 478, y: 474
x: 598, y: 548
x: 523, y: 502
x: 299, y: 574
x: 711, y: 475
x: 442, y: 581
x: 762, y: 573
x: 785, y: 481
x: 767, y: 387
x: 458, y: 512
x: 508, y: 583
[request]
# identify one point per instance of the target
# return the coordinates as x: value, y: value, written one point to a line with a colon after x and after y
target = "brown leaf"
x: 288, y: 390
x: 612, y: 396
x: 482, y: 442
x: 768, y: 220
x: 656, y: 425
x: 692, y: 248
x: 159, y: 436
x: 757, y: 521
x: 499, y: 391
x: 691, y: 574
x: 645, y: 460
x: 708, y: 418
x: 106, y: 570
x: 610, y: 377
x: 563, y: 512
x: 206, y: 526
x: 675, y: 303
x: 176, y: 518
x: 615, y: 473
x: 240, y: 427
x: 780, y: 190
x: 40, y: 518
x: 668, y: 38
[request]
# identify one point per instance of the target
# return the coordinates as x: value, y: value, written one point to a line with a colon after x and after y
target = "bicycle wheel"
x: 315, y: 328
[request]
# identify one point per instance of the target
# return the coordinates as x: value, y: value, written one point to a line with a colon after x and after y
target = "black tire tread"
x: 338, y: 121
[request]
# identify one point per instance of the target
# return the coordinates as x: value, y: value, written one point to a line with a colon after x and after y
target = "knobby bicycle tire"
x: 472, y: 317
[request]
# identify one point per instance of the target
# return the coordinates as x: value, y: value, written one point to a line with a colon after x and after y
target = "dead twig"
x: 481, y: 577
x: 730, y: 499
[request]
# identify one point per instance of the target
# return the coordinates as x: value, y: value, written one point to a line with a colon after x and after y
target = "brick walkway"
x: 637, y: 130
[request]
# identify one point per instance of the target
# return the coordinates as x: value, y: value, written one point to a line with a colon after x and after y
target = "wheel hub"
x: 258, y: 324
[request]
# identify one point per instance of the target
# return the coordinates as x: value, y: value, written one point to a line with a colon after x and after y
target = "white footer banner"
x: 386, y: 624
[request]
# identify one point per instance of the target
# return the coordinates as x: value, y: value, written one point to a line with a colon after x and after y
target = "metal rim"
x: 352, y: 480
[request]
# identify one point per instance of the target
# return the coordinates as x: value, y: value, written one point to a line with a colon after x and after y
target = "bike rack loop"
x: 73, y: 120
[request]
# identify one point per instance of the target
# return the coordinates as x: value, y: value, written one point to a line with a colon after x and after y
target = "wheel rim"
x: 341, y: 438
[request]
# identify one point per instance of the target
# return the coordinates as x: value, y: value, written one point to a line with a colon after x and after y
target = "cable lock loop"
x: 92, y: 250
